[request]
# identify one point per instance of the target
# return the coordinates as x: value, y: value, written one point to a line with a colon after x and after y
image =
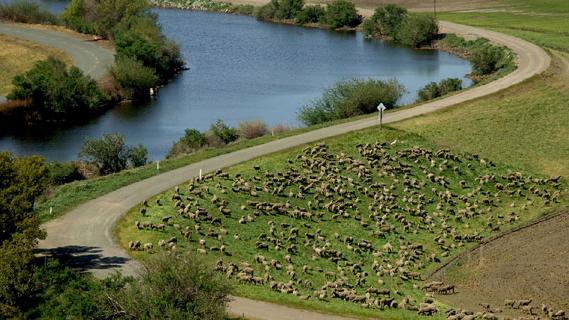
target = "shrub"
x: 417, y: 30
x: 252, y: 129
x: 351, y: 98
x: 268, y: 11
x: 26, y: 12
x: 385, y: 21
x: 288, y: 9
x: 57, y: 92
x: 109, y: 153
x: 223, y: 132
x: 137, y: 156
x: 133, y: 78
x: 434, y: 90
x: 342, y: 13
x: 190, y: 142
x: 75, y: 13
x: 63, y: 172
x: 174, y: 287
x: 243, y: 9
x: 310, y: 14
x: 487, y: 59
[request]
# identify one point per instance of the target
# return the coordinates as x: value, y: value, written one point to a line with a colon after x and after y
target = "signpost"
x: 381, y: 108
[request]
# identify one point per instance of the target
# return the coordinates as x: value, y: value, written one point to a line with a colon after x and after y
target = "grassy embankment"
x: 526, y: 125
x: 407, y: 195
x: 18, y: 56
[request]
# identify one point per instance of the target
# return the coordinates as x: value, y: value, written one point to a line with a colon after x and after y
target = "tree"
x: 174, y: 287
x: 109, y: 153
x: 133, y: 78
x: 385, y: 21
x: 417, y: 30
x: 342, y: 13
x: 22, y: 180
x: 288, y: 9
x: 311, y: 14
x: 57, y: 92
x: 487, y: 59
x: 223, y: 132
x: 137, y: 156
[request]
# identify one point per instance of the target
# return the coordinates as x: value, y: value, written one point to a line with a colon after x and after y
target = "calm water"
x: 242, y: 69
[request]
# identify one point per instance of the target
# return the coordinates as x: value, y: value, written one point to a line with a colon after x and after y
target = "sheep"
x: 148, y: 247
x: 427, y: 309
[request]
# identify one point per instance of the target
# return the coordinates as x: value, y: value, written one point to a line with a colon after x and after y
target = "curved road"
x: 86, y: 233
x: 91, y: 58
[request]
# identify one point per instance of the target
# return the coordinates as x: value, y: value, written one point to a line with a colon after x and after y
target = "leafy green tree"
x: 487, y: 59
x: 22, y: 180
x: 342, y: 13
x: 109, y: 153
x: 288, y: 9
x: 56, y: 91
x: 268, y: 11
x: 137, y: 156
x: 191, y: 141
x: 311, y: 14
x: 385, y: 21
x: 75, y: 16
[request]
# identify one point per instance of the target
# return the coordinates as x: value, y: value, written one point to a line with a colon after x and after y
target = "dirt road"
x: 86, y: 232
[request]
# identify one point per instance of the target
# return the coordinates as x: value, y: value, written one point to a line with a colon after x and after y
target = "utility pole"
x: 435, y: 7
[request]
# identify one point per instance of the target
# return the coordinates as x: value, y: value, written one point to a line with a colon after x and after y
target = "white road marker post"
x: 158, y: 165
x: 50, y: 211
x: 200, y: 174
x: 381, y: 108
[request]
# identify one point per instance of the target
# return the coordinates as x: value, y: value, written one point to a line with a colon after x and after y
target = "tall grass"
x: 26, y: 12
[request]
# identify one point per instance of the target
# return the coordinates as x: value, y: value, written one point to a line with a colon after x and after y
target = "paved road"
x: 93, y: 59
x: 86, y: 231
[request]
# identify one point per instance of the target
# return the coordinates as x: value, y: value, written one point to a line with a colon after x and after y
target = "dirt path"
x: 87, y: 231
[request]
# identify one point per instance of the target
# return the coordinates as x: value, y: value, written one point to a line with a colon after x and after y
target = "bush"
x: 223, y: 132
x: 75, y: 13
x: 487, y: 59
x: 26, y: 12
x: 385, y: 21
x: 252, y: 129
x: 268, y: 11
x: 310, y: 14
x: 133, y: 78
x: 191, y: 141
x: 417, y: 30
x: 109, y: 153
x: 288, y: 9
x: 63, y: 172
x: 174, y: 287
x: 434, y: 90
x: 57, y: 92
x: 342, y: 13
x: 351, y: 98
x: 137, y: 156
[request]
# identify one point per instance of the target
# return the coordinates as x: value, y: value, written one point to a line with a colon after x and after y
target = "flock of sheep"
x: 360, y: 226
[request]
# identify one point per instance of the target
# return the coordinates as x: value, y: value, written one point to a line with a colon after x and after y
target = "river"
x: 241, y: 69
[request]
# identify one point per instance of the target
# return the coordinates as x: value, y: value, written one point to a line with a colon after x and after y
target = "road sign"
x: 381, y: 108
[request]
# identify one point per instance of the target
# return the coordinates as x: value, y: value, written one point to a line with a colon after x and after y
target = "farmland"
x: 351, y: 225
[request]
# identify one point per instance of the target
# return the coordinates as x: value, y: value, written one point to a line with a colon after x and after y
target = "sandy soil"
x: 532, y: 263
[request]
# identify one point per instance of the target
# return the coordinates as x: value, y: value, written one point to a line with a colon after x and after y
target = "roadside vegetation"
x: 351, y: 98
x: 404, y: 206
x: 434, y: 90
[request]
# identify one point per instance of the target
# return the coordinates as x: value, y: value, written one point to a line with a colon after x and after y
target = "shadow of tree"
x: 83, y: 258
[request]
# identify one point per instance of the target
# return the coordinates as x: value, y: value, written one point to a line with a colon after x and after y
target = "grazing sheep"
x: 148, y: 247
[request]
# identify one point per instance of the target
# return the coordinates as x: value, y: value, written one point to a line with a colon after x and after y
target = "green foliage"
x: 288, y: 9
x: 223, y: 132
x: 488, y: 59
x: 57, y: 92
x: 137, y: 156
x: 351, y: 98
x: 63, y: 172
x: 22, y: 180
x: 174, y: 287
x: 133, y: 78
x: 385, y: 21
x: 25, y: 11
x: 342, y: 13
x: 74, y: 16
x: 311, y: 14
x: 109, y: 153
x: 268, y: 11
x: 252, y: 129
x: 434, y: 90
x: 417, y: 30
x: 191, y: 141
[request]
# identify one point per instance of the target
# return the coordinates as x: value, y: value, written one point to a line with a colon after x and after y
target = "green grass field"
x: 351, y: 199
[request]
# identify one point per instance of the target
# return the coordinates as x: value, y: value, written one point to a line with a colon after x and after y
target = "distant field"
x: 17, y: 56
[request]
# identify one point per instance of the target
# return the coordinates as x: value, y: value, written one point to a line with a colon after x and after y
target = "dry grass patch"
x: 17, y: 56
